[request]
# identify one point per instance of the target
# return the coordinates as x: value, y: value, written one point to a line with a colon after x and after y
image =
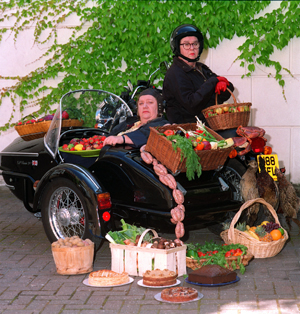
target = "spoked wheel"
x: 64, y: 211
x: 232, y: 173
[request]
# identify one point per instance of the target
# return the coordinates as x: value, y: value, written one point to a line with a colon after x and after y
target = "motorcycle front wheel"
x: 64, y: 211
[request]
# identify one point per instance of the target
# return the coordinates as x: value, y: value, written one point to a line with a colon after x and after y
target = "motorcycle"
x: 87, y: 192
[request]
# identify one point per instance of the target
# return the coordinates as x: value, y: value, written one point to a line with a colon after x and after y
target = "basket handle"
x: 244, y: 206
x: 233, y: 97
x: 144, y: 233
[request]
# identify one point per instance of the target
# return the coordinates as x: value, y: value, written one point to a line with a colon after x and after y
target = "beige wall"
x: 280, y: 118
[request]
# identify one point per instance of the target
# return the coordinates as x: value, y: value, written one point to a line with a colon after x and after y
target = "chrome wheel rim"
x: 66, y: 213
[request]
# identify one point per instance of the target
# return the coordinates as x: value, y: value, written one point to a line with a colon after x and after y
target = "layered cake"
x: 179, y: 294
x: 105, y: 277
x: 159, y: 277
x: 212, y: 274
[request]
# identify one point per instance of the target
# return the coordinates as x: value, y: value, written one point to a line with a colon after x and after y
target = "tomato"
x: 215, y: 251
x: 201, y: 254
x: 200, y: 146
x: 238, y: 251
x: 169, y: 132
x: 237, y: 254
x: 227, y: 254
x: 224, y: 244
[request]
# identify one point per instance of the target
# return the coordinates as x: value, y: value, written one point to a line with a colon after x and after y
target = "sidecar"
x: 86, y: 193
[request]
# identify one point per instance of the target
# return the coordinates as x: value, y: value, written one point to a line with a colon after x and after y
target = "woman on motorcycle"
x: 190, y: 86
x: 150, y: 115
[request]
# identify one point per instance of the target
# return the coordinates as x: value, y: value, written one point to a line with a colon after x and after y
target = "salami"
x: 179, y: 230
x: 147, y: 157
x: 160, y: 169
x: 178, y: 196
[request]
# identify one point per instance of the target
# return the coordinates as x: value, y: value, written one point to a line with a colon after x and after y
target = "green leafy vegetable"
x: 187, y: 151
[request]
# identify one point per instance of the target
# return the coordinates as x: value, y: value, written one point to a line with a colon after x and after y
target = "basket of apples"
x: 227, y: 116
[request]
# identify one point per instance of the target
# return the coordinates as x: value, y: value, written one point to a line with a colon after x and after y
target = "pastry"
x: 105, y: 277
x: 212, y: 274
x: 179, y: 294
x: 159, y: 277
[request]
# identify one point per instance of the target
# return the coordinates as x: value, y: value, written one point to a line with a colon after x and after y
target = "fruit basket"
x: 161, y: 148
x: 232, y: 118
x: 31, y: 131
x: 244, y: 259
x: 259, y: 249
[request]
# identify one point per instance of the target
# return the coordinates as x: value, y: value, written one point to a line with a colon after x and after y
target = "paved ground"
x: 29, y: 282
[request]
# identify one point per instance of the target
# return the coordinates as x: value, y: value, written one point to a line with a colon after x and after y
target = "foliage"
x: 135, y: 34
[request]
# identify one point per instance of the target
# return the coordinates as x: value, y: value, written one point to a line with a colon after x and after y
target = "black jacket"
x: 187, y: 91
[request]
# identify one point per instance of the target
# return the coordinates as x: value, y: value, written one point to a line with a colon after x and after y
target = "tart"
x: 159, y: 277
x: 105, y: 277
x: 179, y: 294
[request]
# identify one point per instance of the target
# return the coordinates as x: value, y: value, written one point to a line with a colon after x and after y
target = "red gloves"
x: 221, y: 86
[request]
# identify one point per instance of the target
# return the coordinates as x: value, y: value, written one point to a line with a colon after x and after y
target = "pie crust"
x: 105, y: 277
x: 179, y: 294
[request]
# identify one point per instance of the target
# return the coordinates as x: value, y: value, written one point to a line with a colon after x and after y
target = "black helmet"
x: 184, y: 31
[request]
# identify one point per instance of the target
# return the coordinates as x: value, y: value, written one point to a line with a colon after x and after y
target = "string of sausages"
x: 177, y: 213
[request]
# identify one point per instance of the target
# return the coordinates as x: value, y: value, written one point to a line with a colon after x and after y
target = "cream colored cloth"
x: 133, y: 128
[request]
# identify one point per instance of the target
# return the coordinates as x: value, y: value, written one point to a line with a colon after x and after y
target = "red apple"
x: 65, y: 115
x: 240, y: 108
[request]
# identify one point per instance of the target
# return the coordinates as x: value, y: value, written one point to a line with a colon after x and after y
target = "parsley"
x: 187, y: 151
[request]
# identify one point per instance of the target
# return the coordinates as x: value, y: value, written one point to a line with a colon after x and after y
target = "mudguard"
x: 84, y: 180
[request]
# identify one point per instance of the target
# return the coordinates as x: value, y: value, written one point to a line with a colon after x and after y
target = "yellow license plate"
x: 271, y: 162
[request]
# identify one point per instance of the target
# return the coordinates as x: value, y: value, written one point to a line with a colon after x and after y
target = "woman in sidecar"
x: 150, y: 115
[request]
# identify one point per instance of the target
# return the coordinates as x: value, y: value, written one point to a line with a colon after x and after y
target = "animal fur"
x: 289, y: 202
x: 249, y: 191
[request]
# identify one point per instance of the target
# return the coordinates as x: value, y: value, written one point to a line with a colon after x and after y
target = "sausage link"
x: 178, y: 196
x: 147, y: 157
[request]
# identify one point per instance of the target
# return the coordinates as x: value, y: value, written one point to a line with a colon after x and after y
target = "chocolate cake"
x: 212, y: 274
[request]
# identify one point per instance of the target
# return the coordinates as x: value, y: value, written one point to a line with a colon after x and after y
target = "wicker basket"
x: 195, y: 264
x: 258, y: 248
x: 32, y: 131
x: 230, y: 120
x: 161, y: 148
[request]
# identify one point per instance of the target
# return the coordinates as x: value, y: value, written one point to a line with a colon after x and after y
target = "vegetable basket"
x: 259, y: 249
x: 229, y: 120
x: 135, y: 260
x: 195, y: 264
x: 161, y: 148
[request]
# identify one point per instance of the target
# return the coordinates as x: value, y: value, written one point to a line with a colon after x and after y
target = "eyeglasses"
x: 187, y: 46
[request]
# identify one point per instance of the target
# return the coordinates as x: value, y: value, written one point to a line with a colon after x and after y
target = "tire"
x: 232, y: 173
x: 64, y: 211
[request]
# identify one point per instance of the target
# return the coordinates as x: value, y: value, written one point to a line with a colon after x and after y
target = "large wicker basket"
x: 230, y: 120
x: 195, y: 264
x: 161, y: 148
x: 36, y: 130
x: 258, y: 248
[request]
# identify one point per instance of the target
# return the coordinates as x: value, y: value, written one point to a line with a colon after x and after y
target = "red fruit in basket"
x: 240, y: 108
x: 169, y: 132
x: 65, y: 147
x: 232, y: 109
x: 65, y: 115
x: 75, y: 140
x: 218, y: 110
x: 20, y: 123
x: 207, y: 145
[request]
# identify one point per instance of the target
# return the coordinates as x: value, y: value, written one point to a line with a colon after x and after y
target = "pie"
x: 179, y: 294
x: 159, y: 277
x: 105, y: 277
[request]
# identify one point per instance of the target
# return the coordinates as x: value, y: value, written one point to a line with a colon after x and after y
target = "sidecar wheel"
x: 64, y: 211
x: 232, y: 172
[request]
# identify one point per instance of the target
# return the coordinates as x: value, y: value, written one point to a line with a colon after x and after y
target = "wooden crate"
x: 135, y: 260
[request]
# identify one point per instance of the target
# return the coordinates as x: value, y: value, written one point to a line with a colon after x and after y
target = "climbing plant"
x: 120, y: 40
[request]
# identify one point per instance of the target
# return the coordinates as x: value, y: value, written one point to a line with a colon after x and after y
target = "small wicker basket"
x: 195, y: 264
x: 32, y: 131
x: 230, y: 120
x: 161, y: 148
x: 258, y: 248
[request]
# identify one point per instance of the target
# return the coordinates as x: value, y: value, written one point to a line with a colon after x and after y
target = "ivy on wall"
x: 135, y: 33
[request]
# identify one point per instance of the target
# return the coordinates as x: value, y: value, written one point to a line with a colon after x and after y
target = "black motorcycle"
x: 86, y: 193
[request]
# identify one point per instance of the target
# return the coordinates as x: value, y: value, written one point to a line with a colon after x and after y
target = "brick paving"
x: 29, y: 282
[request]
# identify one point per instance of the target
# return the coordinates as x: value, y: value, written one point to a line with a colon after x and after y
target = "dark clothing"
x: 140, y: 136
x: 187, y: 91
